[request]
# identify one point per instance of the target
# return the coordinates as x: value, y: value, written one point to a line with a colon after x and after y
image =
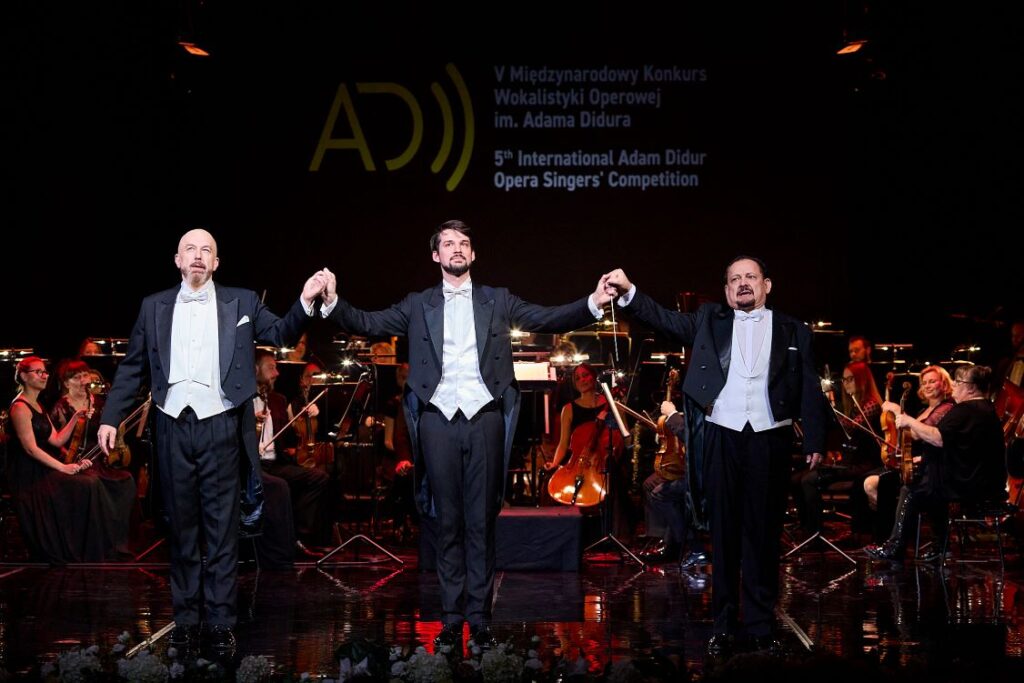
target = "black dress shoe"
x: 450, y: 637
x: 720, y: 645
x: 184, y: 637
x: 694, y: 559
x: 222, y: 640
x: 481, y: 637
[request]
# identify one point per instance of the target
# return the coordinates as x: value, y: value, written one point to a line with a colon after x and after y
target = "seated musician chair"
x: 986, y: 515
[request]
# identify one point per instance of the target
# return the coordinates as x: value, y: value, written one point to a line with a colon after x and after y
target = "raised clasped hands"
x: 330, y: 292
x: 611, y: 285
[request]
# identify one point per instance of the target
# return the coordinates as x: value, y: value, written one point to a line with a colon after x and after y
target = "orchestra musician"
x: 77, y: 398
x: 65, y: 515
x: 308, y: 485
x: 588, y: 407
x: 967, y: 456
x: 397, y: 467
x: 861, y: 408
x: 935, y: 388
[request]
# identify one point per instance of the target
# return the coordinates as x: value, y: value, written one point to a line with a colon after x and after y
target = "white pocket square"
x: 243, y: 321
x: 790, y: 348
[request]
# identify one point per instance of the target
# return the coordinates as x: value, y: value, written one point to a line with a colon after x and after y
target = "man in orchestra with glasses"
x: 971, y: 462
x: 750, y: 375
x: 194, y: 345
x: 461, y: 403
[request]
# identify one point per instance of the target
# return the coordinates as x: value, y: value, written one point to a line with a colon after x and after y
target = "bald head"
x: 197, y: 257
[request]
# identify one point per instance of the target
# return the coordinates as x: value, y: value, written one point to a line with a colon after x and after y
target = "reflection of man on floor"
x: 308, y: 484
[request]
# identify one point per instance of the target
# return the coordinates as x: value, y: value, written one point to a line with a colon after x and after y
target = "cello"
x: 581, y: 481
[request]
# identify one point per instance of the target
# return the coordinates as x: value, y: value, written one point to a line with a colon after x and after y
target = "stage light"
x: 851, y: 47
x: 193, y: 49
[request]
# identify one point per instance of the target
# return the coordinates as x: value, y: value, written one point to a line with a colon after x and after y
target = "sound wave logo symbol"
x: 357, y: 141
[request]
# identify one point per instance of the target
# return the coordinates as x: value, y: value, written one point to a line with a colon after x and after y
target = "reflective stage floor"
x: 921, y: 622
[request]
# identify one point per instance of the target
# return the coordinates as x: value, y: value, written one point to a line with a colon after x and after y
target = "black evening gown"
x: 63, y: 518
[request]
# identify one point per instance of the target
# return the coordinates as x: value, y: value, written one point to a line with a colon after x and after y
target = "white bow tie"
x: 753, y: 315
x: 450, y: 292
x: 201, y: 296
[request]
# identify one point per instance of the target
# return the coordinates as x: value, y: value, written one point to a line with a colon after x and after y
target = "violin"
x: 890, y: 436
x: 76, y: 445
x: 581, y: 481
x: 309, y: 452
x: 120, y: 454
x: 668, y: 461
x: 906, y: 443
x: 79, y: 436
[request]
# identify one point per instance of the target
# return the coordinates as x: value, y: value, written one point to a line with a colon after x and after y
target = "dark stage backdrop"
x: 881, y: 187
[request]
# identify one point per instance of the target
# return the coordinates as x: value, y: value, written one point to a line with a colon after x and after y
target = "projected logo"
x: 357, y: 140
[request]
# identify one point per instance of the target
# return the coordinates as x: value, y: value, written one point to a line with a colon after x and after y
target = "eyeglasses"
x: 848, y: 379
x: 39, y: 371
x: 962, y: 381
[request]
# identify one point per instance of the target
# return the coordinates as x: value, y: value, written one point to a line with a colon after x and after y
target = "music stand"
x: 614, y: 420
x: 817, y: 535
x: 365, y: 377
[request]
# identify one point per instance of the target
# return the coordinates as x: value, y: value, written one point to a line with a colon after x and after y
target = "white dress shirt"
x: 462, y: 386
x: 194, y: 374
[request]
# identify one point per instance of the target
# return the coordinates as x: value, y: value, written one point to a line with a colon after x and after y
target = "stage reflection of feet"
x: 221, y: 642
x: 184, y: 639
x: 720, y: 646
x: 764, y: 645
x: 695, y: 581
x: 480, y: 637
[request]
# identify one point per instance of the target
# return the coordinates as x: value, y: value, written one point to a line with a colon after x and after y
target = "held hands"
x: 330, y: 292
x: 617, y: 282
x: 106, y: 436
x: 316, y: 285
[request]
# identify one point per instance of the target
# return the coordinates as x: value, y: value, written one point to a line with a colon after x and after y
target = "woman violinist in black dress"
x: 65, y: 515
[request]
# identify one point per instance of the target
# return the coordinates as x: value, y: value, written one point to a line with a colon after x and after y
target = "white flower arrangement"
x: 253, y: 669
x: 501, y: 665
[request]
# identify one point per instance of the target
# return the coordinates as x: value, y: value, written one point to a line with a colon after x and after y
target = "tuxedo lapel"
x: 780, y: 341
x: 483, y: 310
x: 433, y: 312
x: 164, y: 316
x: 721, y: 331
x: 227, y: 319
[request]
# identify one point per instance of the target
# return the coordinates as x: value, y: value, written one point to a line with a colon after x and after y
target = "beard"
x: 456, y: 271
